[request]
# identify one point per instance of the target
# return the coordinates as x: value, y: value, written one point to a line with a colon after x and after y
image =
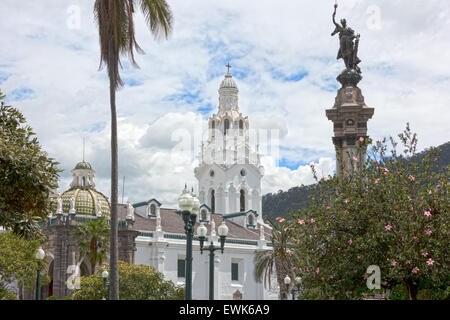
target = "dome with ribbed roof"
x: 86, y: 201
x: 228, y: 82
x: 82, y: 189
x: 83, y: 165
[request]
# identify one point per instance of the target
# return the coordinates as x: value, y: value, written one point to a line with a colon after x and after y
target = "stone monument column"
x: 349, y: 115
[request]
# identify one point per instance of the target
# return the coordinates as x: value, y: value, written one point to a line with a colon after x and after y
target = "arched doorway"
x: 47, y: 290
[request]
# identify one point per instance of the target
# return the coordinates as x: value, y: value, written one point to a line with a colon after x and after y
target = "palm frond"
x: 115, y: 19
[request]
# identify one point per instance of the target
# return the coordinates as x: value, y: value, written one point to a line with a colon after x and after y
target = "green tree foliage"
x: 137, y: 282
x: 281, y: 203
x: 277, y: 260
x: 93, y: 241
x: 394, y: 214
x: 18, y: 262
x: 27, y: 174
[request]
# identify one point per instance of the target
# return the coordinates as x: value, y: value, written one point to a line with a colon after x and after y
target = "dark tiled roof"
x: 173, y: 223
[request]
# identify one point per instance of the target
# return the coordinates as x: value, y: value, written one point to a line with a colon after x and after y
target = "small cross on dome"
x: 228, y: 66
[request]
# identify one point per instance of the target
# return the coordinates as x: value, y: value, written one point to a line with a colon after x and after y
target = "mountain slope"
x: 282, y: 203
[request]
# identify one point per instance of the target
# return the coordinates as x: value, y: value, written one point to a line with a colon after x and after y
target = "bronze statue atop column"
x: 348, y: 51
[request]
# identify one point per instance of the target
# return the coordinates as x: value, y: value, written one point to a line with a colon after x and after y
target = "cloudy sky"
x: 283, y: 60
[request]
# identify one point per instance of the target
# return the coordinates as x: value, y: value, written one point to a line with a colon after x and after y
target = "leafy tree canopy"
x: 26, y: 172
x: 394, y: 215
x: 137, y: 282
x: 17, y: 262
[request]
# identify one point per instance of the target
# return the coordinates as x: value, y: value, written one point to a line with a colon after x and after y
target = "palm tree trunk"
x: 114, y: 270
x: 281, y: 273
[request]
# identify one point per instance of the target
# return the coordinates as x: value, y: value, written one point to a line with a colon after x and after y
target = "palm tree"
x: 279, y: 257
x: 117, y: 38
x: 93, y: 241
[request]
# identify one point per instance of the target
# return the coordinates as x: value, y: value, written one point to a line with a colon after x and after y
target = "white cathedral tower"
x: 229, y: 171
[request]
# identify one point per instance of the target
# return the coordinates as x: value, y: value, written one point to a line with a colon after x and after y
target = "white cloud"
x: 405, y: 79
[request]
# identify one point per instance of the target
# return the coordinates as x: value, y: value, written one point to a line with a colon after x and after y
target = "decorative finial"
x: 228, y: 66
x: 84, y: 145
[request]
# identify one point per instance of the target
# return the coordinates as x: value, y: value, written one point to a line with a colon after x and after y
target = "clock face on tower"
x: 350, y: 122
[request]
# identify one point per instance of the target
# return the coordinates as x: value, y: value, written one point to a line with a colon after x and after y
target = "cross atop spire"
x: 228, y: 66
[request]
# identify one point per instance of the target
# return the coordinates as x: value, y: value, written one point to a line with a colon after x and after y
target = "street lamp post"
x: 287, y: 282
x: 298, y: 281
x: 40, y: 254
x: 105, y: 275
x: 201, y: 232
x: 189, y: 206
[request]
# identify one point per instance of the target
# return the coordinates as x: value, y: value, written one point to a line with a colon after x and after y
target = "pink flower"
x: 317, y: 270
x: 385, y: 173
x: 411, y: 177
x: 424, y: 254
x: 394, y: 263
x: 298, y: 241
x: 322, y: 278
x: 361, y: 139
x: 430, y: 262
x: 312, y: 220
x: 294, y: 268
x: 435, y: 159
x: 388, y: 227
x: 430, y: 192
x: 415, y: 270
x: 328, y: 207
x: 408, y: 261
x: 376, y: 181
x: 285, y: 229
x: 331, y: 276
x: 292, y: 228
x: 415, y: 237
x: 374, y: 161
x: 386, y: 169
x: 350, y: 241
x: 366, y: 276
x: 355, y: 159
x: 346, y: 201
x: 301, y: 221
x: 428, y: 232
x: 427, y: 213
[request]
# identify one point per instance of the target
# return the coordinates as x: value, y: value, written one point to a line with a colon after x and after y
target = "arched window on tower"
x: 251, y: 220
x: 242, y: 201
x: 153, y: 209
x: 226, y: 126
x: 213, y: 127
x: 83, y: 182
x: 203, y: 216
x: 241, y: 127
x: 213, y: 202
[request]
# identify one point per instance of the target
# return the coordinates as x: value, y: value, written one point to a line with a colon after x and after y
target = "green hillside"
x: 282, y: 203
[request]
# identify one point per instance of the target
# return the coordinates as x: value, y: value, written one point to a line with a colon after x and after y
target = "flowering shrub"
x: 399, y: 223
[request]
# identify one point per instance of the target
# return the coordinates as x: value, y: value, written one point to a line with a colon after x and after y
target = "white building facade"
x: 229, y: 182
x: 229, y: 172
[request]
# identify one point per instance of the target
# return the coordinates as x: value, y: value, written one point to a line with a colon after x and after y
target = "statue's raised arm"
x: 347, y: 48
x: 334, y: 17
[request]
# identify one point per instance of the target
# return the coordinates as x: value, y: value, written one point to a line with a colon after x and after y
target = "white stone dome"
x: 228, y: 82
